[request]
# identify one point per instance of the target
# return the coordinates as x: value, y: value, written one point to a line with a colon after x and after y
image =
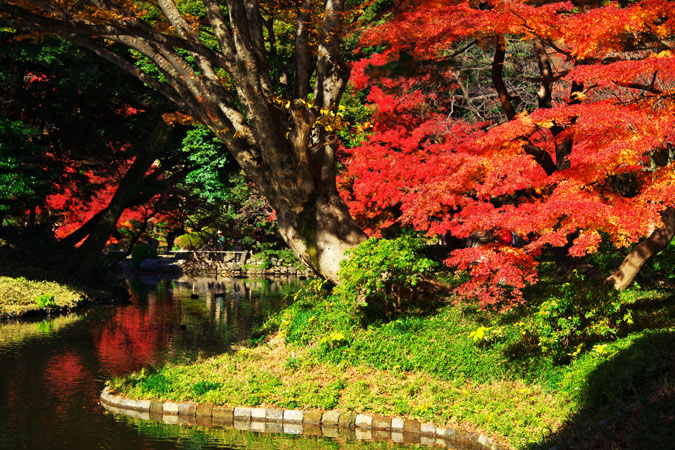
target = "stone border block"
x: 381, y: 423
x: 144, y: 405
x: 242, y: 414
x: 187, y: 409
x: 411, y: 426
x: 170, y: 409
x: 397, y: 424
x: 364, y: 421
x: 274, y: 420
x: 127, y: 403
x: 347, y: 420
x: 156, y: 407
x: 258, y: 414
x: 428, y: 429
x: 330, y: 418
x: 204, y: 410
x: 222, y: 414
x: 293, y: 416
x: 274, y: 415
x: 312, y: 417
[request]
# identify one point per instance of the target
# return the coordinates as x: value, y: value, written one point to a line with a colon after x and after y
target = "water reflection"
x: 231, y: 438
x: 52, y: 371
x: 15, y: 333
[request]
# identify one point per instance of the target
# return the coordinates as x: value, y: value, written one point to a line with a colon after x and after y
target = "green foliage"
x: 21, y: 180
x: 203, y: 386
x: 578, y: 312
x: 313, y: 315
x: 283, y: 257
x: 211, y: 166
x: 141, y: 252
x: 45, y: 300
x: 191, y: 241
x: 383, y: 274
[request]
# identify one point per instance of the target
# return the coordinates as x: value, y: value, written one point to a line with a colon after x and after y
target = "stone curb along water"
x: 317, y: 423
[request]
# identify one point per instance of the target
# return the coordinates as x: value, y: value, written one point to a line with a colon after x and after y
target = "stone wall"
x: 216, y: 263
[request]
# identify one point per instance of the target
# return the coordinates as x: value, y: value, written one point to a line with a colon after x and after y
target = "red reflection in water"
x: 65, y: 374
x: 67, y: 378
x: 132, y: 338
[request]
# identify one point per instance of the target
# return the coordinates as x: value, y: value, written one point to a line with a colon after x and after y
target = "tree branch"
x: 498, y: 80
x: 304, y: 64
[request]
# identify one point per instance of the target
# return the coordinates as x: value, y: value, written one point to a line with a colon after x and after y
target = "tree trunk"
x: 319, y: 231
x: 643, y: 252
x: 90, y: 250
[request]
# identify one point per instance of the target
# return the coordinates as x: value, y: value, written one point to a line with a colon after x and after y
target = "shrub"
x: 579, y: 312
x: 45, y: 300
x: 191, y: 241
x: 383, y: 274
x: 141, y: 252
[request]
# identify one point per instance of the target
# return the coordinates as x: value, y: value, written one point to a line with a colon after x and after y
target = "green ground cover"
x: 29, y: 288
x: 20, y: 295
x: 439, y: 367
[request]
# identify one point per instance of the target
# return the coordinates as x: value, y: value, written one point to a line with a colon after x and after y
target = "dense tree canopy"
x: 548, y: 122
x: 265, y: 77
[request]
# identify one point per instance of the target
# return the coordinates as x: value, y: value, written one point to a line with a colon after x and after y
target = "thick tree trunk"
x: 319, y: 231
x: 283, y: 145
x: 643, y: 252
x: 91, y: 248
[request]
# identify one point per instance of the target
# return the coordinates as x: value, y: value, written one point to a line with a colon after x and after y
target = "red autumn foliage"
x: 582, y: 161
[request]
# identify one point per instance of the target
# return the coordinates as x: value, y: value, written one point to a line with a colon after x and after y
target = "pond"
x: 52, y: 371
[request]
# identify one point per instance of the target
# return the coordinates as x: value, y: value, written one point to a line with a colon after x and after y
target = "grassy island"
x: 604, y: 384
x: 27, y: 287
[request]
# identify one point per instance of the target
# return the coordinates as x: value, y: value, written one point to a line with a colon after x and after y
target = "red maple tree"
x: 552, y: 122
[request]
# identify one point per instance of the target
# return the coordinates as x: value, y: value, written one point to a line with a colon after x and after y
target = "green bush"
x: 191, y: 241
x: 383, y: 275
x: 141, y: 252
x: 313, y: 315
x: 45, y: 300
x: 579, y: 312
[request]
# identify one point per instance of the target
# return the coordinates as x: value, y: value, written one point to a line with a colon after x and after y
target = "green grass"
x: 27, y: 288
x: 19, y: 296
x: 450, y: 364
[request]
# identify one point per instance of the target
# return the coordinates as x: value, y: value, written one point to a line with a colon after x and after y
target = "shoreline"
x: 332, y: 423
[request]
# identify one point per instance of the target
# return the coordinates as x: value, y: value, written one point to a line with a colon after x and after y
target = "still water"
x: 52, y: 371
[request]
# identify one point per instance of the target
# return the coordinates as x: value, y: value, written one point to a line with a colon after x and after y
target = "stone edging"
x: 274, y: 420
